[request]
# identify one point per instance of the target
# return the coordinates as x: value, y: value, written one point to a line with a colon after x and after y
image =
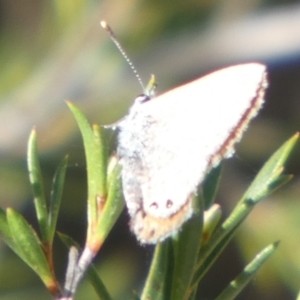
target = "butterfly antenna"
x: 113, y: 37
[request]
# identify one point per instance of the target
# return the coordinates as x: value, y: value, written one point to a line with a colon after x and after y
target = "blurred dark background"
x: 51, y: 51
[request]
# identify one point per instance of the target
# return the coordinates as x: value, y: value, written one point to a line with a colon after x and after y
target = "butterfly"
x: 168, y: 143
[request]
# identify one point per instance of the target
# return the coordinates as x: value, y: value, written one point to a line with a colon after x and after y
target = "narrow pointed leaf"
x: 265, y: 182
x: 112, y: 208
x: 211, y: 219
x: 158, y: 280
x: 95, y: 154
x: 239, y: 283
x: 186, y: 248
x: 209, y: 254
x: 258, y: 189
x: 56, y: 194
x: 89, y: 148
x: 67, y: 240
x: 29, y: 245
x: 210, y: 185
x: 35, y: 177
x: 6, y: 234
x: 101, y: 159
x: 97, y: 283
x: 4, y: 228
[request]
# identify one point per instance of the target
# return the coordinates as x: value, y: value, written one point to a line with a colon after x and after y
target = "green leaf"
x: 89, y: 148
x: 35, y: 177
x: 6, y: 234
x: 270, y: 176
x: 97, y: 283
x: 7, y: 237
x: 101, y: 159
x: 210, y: 185
x: 4, y: 228
x: 211, y: 218
x: 239, y: 283
x: 264, y: 183
x: 96, y: 164
x: 267, y: 180
x: 67, y: 240
x: 159, y: 279
x: 55, y: 199
x: 186, y: 249
x: 113, y: 205
x: 29, y: 245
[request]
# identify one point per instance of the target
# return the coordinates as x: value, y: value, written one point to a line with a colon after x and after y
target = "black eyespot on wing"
x: 169, y: 203
x: 154, y: 205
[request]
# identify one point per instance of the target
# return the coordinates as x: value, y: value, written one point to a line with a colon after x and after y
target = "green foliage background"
x: 51, y: 51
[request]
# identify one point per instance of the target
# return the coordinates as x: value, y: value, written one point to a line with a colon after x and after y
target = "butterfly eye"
x: 142, y: 98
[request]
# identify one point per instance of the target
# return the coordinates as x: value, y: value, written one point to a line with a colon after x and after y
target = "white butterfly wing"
x: 167, y: 144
